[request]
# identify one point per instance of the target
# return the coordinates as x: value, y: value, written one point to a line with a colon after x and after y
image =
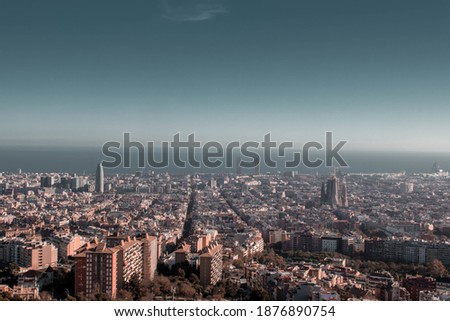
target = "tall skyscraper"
x: 344, y: 197
x: 99, y: 179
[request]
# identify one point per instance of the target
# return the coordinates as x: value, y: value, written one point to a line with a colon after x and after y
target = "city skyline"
x: 374, y: 73
x: 157, y: 236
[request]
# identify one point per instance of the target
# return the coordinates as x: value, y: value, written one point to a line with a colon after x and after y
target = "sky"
x: 80, y: 73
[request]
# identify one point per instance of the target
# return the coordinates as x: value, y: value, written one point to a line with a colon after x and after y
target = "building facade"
x: 211, y: 265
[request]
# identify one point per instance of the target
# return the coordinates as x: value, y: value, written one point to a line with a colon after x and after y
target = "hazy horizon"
x: 85, y: 159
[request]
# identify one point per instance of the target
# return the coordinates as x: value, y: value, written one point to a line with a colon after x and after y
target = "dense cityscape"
x: 238, y: 236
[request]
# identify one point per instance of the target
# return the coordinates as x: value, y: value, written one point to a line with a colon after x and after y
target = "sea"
x: 84, y: 160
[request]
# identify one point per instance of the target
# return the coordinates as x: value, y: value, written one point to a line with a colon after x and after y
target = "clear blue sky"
x: 377, y: 73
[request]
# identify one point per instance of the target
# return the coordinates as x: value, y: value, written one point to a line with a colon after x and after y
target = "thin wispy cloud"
x: 192, y: 10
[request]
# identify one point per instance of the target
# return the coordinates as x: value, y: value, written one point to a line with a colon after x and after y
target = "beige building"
x: 276, y: 236
x: 28, y: 254
x: 107, y: 266
x: 150, y: 245
x: 138, y: 256
x: 23, y: 292
x: 67, y: 245
x: 211, y: 265
x: 130, y: 261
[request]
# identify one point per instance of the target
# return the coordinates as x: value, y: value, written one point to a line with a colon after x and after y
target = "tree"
x: 269, y: 257
x: 194, y: 279
x: 259, y: 294
x: 181, y: 273
x: 437, y: 269
x: 124, y: 295
x: 218, y: 290
x: 5, y: 296
x: 231, y: 290
x: 102, y: 297
x: 62, y: 285
x: 136, y: 288
x: 161, y: 285
x: 186, y: 290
